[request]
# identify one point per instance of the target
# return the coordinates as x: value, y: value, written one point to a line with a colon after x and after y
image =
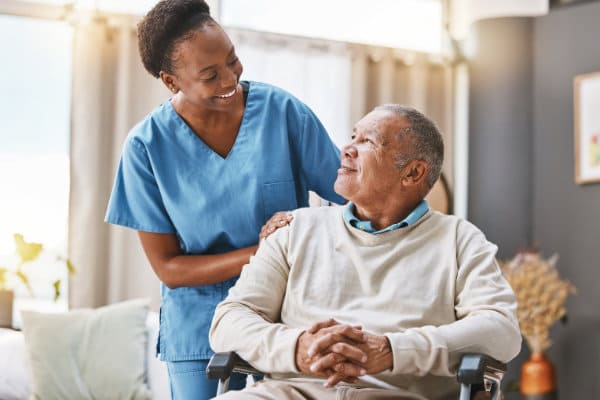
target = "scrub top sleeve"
x: 136, y: 201
x: 320, y: 158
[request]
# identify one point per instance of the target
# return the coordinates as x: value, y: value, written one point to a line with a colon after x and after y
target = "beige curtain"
x: 383, y: 75
x: 111, y: 92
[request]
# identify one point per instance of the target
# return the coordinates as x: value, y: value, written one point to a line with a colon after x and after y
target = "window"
x: 403, y: 24
x: 34, y: 142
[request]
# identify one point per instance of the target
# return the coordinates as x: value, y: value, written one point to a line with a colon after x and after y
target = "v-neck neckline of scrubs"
x: 239, y: 148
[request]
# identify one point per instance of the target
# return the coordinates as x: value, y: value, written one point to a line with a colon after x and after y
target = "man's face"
x: 368, y: 172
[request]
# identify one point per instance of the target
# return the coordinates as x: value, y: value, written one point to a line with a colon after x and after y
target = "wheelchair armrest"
x: 473, y: 368
x: 221, y: 365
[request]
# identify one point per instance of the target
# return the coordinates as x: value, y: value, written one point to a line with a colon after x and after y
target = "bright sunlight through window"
x: 404, y: 24
x: 34, y: 138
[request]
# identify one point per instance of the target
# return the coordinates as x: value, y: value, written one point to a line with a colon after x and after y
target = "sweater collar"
x: 416, y: 214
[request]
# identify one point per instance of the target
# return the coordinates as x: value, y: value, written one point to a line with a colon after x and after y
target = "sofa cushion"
x: 14, y: 378
x: 88, y: 354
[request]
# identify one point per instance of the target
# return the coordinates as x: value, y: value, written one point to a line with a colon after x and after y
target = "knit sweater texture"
x: 433, y: 288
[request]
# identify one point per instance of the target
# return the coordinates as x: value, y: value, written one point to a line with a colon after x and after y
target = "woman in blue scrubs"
x: 203, y: 172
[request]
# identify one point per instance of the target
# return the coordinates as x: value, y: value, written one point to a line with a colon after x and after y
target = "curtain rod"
x: 19, y: 8
x: 64, y: 12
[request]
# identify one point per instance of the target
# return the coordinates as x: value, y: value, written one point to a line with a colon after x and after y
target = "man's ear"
x: 416, y: 173
x: 170, y: 81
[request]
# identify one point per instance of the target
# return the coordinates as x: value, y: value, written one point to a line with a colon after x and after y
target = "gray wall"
x: 500, y: 133
x: 522, y: 189
x: 566, y: 216
x: 500, y: 140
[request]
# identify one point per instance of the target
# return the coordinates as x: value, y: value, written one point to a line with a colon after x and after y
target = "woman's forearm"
x: 195, y: 270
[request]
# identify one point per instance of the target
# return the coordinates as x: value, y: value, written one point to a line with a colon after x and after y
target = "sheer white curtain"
x: 343, y: 82
x: 318, y: 73
x: 111, y: 92
x: 384, y: 75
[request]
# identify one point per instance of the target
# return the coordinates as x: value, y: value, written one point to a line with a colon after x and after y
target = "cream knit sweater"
x: 433, y: 288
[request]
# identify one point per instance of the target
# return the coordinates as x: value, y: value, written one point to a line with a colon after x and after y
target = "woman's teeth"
x: 227, y: 95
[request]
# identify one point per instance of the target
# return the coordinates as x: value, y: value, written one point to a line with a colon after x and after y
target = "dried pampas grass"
x: 541, y: 296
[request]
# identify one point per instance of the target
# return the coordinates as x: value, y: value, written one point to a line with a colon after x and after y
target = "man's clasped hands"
x: 341, y: 352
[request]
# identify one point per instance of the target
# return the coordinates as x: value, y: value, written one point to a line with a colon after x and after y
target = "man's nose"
x: 349, y: 150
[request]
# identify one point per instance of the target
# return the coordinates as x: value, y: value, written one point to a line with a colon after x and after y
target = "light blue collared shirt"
x: 366, y: 226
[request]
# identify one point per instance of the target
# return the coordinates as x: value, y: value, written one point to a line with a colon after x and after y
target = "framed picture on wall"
x: 587, y: 127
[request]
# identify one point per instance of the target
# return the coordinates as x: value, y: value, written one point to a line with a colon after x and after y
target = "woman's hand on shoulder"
x: 278, y: 220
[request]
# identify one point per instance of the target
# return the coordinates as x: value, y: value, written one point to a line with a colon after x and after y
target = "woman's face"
x: 207, y: 70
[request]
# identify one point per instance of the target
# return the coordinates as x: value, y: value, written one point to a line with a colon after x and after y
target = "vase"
x: 6, y: 308
x: 538, y: 381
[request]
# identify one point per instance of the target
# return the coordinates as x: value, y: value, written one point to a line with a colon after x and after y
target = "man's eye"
x: 234, y: 61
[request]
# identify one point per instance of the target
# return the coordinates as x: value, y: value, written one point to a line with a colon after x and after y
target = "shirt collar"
x: 416, y: 214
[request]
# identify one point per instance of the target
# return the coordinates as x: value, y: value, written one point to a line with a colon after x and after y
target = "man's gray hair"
x: 426, y: 138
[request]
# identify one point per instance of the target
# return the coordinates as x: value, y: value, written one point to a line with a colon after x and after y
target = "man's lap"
x: 293, y: 390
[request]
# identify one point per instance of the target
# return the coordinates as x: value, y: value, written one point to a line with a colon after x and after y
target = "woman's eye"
x: 233, y: 62
x: 210, y: 78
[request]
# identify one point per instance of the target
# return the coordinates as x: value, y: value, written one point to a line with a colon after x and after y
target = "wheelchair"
x: 476, y: 373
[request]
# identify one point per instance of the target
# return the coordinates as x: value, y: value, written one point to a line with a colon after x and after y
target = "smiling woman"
x: 203, y: 172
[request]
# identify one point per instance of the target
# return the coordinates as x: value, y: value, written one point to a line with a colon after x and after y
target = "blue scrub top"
x: 170, y: 181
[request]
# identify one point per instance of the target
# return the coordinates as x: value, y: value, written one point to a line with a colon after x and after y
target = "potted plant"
x: 26, y: 253
x: 541, y: 297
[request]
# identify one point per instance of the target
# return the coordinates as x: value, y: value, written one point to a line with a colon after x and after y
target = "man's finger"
x: 337, y: 363
x: 326, y: 363
x: 336, y: 334
x: 321, y: 325
x: 335, y: 379
x: 335, y: 342
x: 350, y: 352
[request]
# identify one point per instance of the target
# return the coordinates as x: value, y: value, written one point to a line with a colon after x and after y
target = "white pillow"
x: 14, y: 378
x: 158, y: 376
x: 88, y: 354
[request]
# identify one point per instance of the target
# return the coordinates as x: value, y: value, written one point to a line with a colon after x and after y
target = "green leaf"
x: 56, y: 285
x: 3, y: 272
x: 24, y: 279
x: 27, y: 251
x: 70, y: 267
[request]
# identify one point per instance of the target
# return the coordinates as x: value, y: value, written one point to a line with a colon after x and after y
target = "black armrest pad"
x: 473, y: 366
x: 221, y: 365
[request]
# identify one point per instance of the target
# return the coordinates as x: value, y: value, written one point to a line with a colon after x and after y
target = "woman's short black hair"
x: 167, y: 24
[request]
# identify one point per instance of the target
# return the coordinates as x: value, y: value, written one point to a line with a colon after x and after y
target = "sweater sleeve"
x: 248, y: 320
x: 485, y: 309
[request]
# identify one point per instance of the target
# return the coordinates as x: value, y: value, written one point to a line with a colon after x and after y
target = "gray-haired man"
x: 380, y: 294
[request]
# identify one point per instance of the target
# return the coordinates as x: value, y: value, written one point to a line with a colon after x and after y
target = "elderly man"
x: 377, y: 299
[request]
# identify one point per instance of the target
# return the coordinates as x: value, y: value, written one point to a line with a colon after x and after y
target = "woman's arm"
x: 177, y: 270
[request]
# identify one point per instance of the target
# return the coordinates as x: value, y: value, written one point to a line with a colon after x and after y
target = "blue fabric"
x: 170, y: 181
x: 366, y: 226
x: 188, y: 380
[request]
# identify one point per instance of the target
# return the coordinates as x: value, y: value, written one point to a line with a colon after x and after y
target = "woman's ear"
x: 169, y: 81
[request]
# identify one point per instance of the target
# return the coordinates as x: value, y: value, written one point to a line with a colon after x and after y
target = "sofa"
x: 15, y: 374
